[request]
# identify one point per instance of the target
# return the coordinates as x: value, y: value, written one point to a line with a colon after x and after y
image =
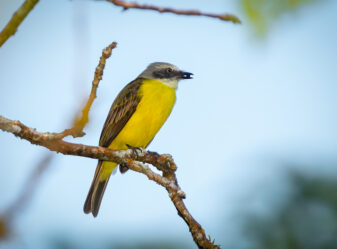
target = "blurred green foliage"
x: 262, y: 14
x: 307, y: 220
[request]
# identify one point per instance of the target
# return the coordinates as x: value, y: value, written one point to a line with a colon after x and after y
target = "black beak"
x: 186, y: 75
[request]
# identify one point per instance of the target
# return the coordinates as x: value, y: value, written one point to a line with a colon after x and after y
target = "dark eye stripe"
x: 165, y: 73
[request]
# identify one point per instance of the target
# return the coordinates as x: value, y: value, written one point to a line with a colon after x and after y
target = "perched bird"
x: 136, y: 115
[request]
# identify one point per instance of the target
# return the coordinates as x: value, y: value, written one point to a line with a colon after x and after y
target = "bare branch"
x: 54, y: 142
x: 80, y: 122
x: 133, y: 160
x: 16, y: 20
x: 134, y: 5
x: 77, y: 130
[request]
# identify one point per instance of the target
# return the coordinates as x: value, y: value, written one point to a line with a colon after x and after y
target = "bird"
x: 136, y: 115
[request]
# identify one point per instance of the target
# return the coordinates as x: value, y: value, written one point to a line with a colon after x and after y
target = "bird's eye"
x: 169, y: 70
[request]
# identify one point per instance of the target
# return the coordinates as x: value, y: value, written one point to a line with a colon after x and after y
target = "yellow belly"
x: 157, y: 101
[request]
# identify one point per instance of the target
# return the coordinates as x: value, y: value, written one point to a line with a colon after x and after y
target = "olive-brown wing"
x: 120, y: 112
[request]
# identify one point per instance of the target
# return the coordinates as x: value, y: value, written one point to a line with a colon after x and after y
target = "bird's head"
x: 165, y: 72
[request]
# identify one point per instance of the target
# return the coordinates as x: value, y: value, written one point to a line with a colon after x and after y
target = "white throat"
x: 170, y: 82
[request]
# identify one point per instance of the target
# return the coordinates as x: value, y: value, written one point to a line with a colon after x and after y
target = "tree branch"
x: 134, y: 5
x: 164, y: 163
x: 133, y: 160
x: 16, y: 19
x: 80, y: 122
x: 77, y: 130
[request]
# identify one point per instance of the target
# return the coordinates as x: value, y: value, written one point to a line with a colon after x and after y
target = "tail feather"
x: 96, y: 192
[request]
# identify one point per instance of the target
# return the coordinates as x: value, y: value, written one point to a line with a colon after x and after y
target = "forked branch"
x: 135, y: 161
x: 77, y: 130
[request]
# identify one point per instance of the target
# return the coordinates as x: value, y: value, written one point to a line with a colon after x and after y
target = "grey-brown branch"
x: 23, y: 198
x: 134, y: 5
x: 135, y: 161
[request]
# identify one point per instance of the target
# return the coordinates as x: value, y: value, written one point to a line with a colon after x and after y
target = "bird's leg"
x: 134, y: 149
x: 123, y: 168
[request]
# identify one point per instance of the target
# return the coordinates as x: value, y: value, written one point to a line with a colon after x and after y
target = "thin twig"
x: 30, y: 186
x: 16, y: 19
x: 77, y: 130
x: 163, y: 163
x: 80, y: 122
x: 134, y: 5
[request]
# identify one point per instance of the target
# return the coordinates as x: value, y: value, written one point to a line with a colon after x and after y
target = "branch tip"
x: 134, y: 161
x: 134, y: 5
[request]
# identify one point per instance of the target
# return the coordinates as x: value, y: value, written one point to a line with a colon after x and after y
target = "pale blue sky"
x: 250, y: 104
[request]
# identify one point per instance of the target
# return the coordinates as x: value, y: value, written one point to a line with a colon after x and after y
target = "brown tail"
x: 96, y: 192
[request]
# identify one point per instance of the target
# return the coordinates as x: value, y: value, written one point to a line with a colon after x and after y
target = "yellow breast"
x: 157, y: 101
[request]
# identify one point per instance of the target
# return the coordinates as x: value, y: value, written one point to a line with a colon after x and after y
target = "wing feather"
x: 120, y: 112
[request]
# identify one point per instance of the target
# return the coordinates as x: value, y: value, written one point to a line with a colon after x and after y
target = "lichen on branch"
x: 134, y: 161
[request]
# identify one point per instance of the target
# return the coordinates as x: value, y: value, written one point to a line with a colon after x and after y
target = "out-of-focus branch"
x: 133, y: 160
x: 4, y: 230
x: 134, y: 5
x: 16, y: 19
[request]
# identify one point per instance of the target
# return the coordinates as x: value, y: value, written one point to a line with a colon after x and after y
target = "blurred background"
x: 253, y: 134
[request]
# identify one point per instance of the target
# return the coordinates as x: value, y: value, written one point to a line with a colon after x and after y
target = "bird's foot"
x: 135, y: 149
